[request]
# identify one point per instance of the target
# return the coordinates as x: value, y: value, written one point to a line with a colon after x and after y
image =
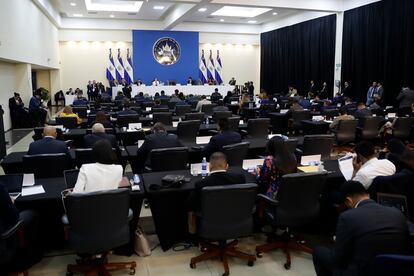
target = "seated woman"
x: 68, y: 112
x: 102, y: 175
x: 102, y: 118
x: 264, y: 98
x: 279, y: 161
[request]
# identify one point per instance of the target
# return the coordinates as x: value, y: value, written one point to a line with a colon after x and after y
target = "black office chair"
x: 297, y: 118
x: 258, y: 128
x: 234, y: 123
x: 208, y: 109
x: 82, y: 111
x: 187, y: 130
x: 147, y: 104
x: 83, y: 156
x: 46, y: 165
x: 402, y: 128
x: 70, y: 176
x: 391, y: 264
x: 279, y: 123
x: 292, y: 144
x: 236, y: 153
x: 404, y: 111
x: 164, y: 101
x: 169, y: 159
x: 99, y: 222
x: 296, y: 204
x: 67, y: 122
x: 107, y: 131
x: 331, y: 113
x: 317, y: 144
x: 160, y: 109
x: 194, y: 116
x: 162, y: 117
x: 346, y: 131
x: 222, y: 219
x: 265, y: 109
x: 181, y: 110
x: 172, y: 105
x: 38, y: 133
x: 217, y: 115
x: 124, y: 120
x: 370, y: 128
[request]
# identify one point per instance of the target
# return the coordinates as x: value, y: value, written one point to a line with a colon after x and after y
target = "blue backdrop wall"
x: 147, y: 68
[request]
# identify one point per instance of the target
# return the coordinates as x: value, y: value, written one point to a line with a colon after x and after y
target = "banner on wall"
x: 218, y: 69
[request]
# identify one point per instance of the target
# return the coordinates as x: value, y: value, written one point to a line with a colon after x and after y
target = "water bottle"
x: 136, y: 179
x: 207, y: 121
x: 204, y: 167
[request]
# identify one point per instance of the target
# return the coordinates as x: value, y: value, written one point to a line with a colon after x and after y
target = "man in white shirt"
x: 202, y: 102
x: 367, y: 166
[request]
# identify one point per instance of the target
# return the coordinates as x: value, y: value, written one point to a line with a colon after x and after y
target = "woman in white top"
x: 102, y: 175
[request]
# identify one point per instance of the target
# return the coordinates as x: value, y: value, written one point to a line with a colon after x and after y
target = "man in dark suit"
x: 218, y: 176
x: 80, y: 100
x: 220, y: 106
x: 48, y: 144
x: 17, y: 111
x: 371, y: 92
x: 127, y: 110
x: 157, y: 140
x: 361, y: 112
x: 223, y: 138
x: 312, y: 90
x: 406, y: 97
x: 98, y: 133
x: 232, y: 81
x: 363, y: 232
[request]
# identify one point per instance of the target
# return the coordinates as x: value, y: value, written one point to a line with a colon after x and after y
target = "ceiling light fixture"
x: 221, y: 20
x: 236, y: 11
x: 202, y: 9
x: 275, y: 13
x: 73, y: 4
x: 158, y: 7
x: 113, y: 5
x: 252, y: 21
x: 111, y: 16
x: 77, y: 15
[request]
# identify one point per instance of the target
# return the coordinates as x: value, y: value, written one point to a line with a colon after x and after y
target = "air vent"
x: 93, y: 12
x: 63, y: 14
x: 132, y: 13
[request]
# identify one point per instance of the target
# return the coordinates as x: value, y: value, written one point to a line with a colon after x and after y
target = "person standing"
x: 371, y: 92
x: 406, y: 97
x: 36, y: 110
x: 346, y: 91
x: 16, y: 110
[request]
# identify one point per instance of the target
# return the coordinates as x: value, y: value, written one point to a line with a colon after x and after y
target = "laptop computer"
x: 394, y: 200
x: 12, y: 182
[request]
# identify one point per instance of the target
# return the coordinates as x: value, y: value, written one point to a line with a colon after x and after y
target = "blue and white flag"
x: 202, y: 72
x: 219, y: 68
x: 211, y: 72
x: 129, y: 71
x: 110, y: 69
x: 119, y: 67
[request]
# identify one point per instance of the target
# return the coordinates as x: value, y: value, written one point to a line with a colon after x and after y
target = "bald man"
x: 98, y: 133
x: 48, y: 144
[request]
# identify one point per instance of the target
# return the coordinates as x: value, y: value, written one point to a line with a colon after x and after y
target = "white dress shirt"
x: 372, y: 169
x: 201, y: 103
x: 98, y: 177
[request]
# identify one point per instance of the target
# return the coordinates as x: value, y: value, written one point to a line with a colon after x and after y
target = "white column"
x: 23, y: 73
x: 338, y: 49
x: 55, y: 84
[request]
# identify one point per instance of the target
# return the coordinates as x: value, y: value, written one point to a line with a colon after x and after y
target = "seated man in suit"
x: 343, y: 115
x: 48, y: 144
x: 127, y: 110
x: 295, y: 107
x: 223, y: 138
x: 220, y: 107
x: 363, y: 232
x: 80, y: 100
x: 202, y: 102
x: 361, y: 113
x: 157, y: 140
x: 218, y: 176
x: 98, y: 133
x: 120, y: 96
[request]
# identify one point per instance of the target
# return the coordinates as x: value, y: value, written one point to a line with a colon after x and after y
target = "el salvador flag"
x: 203, y: 69
x: 110, y: 70
x: 211, y: 69
x: 219, y: 69
x: 119, y: 67
x: 129, y: 71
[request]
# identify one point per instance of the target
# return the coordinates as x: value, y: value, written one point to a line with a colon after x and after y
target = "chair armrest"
x: 268, y: 200
x: 5, y: 235
x: 214, y: 132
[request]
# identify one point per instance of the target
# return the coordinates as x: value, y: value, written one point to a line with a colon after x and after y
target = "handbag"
x: 141, y: 245
x: 172, y: 180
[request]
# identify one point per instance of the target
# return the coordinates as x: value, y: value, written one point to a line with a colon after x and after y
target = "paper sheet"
x: 140, y: 142
x: 346, y: 166
x: 134, y: 126
x: 28, y: 179
x: 200, y: 140
x: 252, y: 163
x: 307, y: 159
x: 33, y: 190
x: 309, y: 169
x: 175, y: 124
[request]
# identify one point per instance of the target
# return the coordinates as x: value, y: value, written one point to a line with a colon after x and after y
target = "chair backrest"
x: 279, y: 123
x: 83, y: 156
x: 67, y: 122
x: 172, y: 105
x: 38, y: 133
x: 318, y: 144
x: 160, y: 109
x: 346, y: 131
x: 234, y: 122
x: 258, y: 128
x: 298, y: 116
x: 98, y: 221
x: 371, y: 127
x: 124, y: 120
x: 331, y: 113
x: 46, y: 165
x: 390, y: 264
x: 169, y: 159
x: 146, y: 104
x: 402, y: 128
x: 71, y: 176
x: 187, y: 130
x: 82, y: 111
x: 208, y: 109
x: 194, y: 116
x: 226, y: 211
x: 162, y: 117
x: 164, y: 101
x: 236, y: 153
x: 217, y: 115
x: 298, y: 196
x: 292, y: 144
x: 181, y: 110
x: 107, y: 131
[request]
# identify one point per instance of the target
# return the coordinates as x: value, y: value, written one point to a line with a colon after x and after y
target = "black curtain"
x: 297, y: 54
x: 378, y: 45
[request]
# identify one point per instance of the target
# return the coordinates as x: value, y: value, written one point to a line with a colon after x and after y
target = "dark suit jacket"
x: 217, y: 142
x: 90, y: 139
x: 9, y: 215
x: 48, y: 145
x: 157, y: 141
x: 360, y: 114
x: 365, y: 232
x: 214, y: 179
x: 406, y: 97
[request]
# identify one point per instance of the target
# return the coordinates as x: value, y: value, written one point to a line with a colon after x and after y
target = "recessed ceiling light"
x: 202, y: 9
x: 111, y: 16
x: 240, y: 11
x: 275, y: 13
x: 158, y: 7
x: 113, y: 5
x: 252, y: 21
x: 73, y: 4
x: 77, y: 15
x: 221, y: 20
